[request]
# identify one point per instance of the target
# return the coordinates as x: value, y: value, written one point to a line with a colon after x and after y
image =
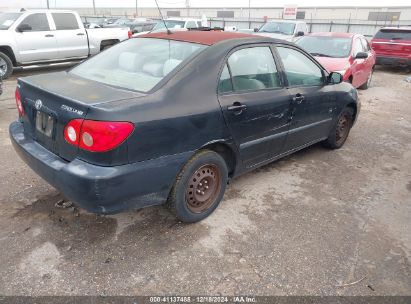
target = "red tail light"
x: 97, y: 136
x: 130, y: 34
x: 20, y: 108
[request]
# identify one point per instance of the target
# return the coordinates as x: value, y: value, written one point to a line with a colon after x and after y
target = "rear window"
x: 137, y: 64
x: 393, y: 34
x: 65, y: 21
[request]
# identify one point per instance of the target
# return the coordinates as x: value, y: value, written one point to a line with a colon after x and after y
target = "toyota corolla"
x: 169, y: 118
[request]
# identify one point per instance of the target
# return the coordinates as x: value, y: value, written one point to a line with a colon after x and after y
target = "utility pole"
x: 249, y: 13
x: 188, y: 7
x: 136, y: 8
x: 94, y: 7
x: 48, y: 4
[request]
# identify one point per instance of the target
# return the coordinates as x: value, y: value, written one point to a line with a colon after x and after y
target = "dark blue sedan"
x: 169, y: 118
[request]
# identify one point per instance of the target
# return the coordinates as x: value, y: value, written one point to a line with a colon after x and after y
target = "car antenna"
x: 162, y: 18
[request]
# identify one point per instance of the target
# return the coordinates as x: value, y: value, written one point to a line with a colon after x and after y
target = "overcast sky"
x: 197, y: 3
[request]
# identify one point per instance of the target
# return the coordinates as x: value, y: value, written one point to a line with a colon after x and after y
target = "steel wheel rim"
x: 343, y: 126
x: 203, y: 188
x: 3, y: 67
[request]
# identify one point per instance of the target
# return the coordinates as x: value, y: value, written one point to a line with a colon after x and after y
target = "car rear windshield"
x: 335, y: 47
x: 7, y: 19
x: 392, y: 34
x: 137, y: 64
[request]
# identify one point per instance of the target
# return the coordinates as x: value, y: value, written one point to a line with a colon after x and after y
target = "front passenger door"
x: 255, y: 104
x: 312, y: 100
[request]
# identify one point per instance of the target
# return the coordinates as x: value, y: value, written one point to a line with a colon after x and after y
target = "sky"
x: 196, y: 3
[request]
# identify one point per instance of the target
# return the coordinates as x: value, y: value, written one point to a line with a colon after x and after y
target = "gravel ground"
x: 300, y: 226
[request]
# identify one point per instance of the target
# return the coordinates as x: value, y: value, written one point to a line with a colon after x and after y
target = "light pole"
x: 136, y: 8
x: 249, y: 13
x: 48, y: 4
x: 94, y: 7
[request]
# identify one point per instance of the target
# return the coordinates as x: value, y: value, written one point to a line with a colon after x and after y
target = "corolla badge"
x: 38, y: 104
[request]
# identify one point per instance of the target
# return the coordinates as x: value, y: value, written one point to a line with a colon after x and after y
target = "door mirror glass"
x: 361, y: 55
x: 299, y: 34
x: 335, y: 78
x: 24, y: 28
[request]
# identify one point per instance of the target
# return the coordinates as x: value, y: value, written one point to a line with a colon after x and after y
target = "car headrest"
x: 129, y: 61
x: 242, y: 66
x: 170, y: 65
x: 154, y: 69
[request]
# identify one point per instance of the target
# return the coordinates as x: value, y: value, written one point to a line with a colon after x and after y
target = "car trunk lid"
x: 50, y: 101
x: 392, y: 43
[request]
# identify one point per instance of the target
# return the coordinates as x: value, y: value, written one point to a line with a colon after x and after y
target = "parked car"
x: 393, y: 46
x: 171, y: 118
x: 288, y: 30
x: 348, y: 54
x: 46, y: 36
x: 138, y: 25
x: 177, y: 23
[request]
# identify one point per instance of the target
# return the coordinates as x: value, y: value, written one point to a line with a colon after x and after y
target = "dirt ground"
x: 300, y: 226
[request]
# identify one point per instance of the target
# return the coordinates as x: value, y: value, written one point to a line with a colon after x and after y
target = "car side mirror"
x: 24, y: 27
x: 299, y: 34
x: 335, y: 78
x: 255, y: 30
x: 361, y: 55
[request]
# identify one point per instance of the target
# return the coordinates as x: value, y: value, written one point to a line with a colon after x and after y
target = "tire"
x: 339, y: 132
x: 6, y: 66
x: 206, y: 173
x: 367, y: 84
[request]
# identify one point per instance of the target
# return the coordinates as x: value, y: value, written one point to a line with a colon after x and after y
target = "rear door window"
x: 299, y: 69
x: 225, y: 85
x: 38, y: 22
x: 253, y: 69
x: 65, y: 21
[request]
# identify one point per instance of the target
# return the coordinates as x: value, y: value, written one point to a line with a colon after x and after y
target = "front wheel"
x: 367, y: 84
x: 199, y: 187
x: 339, y: 132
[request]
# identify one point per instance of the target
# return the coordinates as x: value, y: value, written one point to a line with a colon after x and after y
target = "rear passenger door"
x: 71, y: 39
x: 312, y: 100
x: 254, y: 103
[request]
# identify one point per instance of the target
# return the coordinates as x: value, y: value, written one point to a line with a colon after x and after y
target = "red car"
x: 393, y: 46
x: 345, y: 53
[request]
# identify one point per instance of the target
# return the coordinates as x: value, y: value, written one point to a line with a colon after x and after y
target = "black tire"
x: 341, y: 129
x: 7, y: 67
x: 367, y: 84
x: 189, y: 188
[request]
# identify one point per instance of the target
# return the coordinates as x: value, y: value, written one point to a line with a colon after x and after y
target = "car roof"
x: 403, y: 28
x: 333, y: 34
x: 201, y: 37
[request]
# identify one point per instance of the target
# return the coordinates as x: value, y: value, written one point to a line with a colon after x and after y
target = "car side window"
x: 65, y: 21
x: 191, y: 24
x: 38, y: 22
x: 299, y: 69
x: 225, y: 85
x: 357, y: 47
x: 253, y: 69
x: 365, y: 44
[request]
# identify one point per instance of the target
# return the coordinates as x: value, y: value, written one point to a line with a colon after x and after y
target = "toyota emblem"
x: 38, y: 104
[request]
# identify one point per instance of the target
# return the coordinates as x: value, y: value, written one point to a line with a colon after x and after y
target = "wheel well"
x: 9, y: 52
x: 227, y: 153
x: 353, y: 106
x: 106, y: 43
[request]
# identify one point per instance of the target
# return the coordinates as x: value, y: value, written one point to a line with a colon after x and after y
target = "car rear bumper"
x: 394, y: 61
x: 101, y: 189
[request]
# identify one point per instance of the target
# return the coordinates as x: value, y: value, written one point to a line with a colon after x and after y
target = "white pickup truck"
x: 49, y: 36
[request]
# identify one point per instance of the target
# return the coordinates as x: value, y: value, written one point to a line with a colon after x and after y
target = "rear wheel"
x: 199, y: 187
x: 6, y: 66
x: 339, y: 132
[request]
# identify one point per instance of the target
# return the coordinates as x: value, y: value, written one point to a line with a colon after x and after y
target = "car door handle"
x: 237, y: 108
x: 298, y: 98
x: 49, y: 35
x: 80, y: 34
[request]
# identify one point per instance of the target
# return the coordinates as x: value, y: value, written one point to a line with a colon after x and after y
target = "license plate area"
x: 45, y: 124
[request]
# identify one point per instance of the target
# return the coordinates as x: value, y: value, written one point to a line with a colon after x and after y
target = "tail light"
x: 97, y: 136
x: 20, y: 108
x: 130, y: 34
